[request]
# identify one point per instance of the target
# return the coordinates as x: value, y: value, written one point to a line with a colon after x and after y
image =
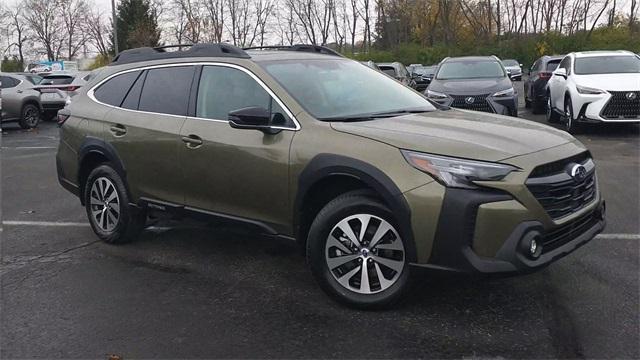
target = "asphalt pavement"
x: 191, y: 290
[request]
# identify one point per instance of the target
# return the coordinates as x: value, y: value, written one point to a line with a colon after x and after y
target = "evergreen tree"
x: 137, y: 25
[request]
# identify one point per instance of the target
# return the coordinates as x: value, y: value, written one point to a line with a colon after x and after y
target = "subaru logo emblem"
x: 469, y: 100
x: 578, y: 172
x: 631, y: 96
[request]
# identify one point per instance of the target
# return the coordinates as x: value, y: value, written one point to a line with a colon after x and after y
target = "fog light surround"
x: 531, y: 244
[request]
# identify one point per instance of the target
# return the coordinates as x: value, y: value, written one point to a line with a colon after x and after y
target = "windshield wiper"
x: 378, y: 115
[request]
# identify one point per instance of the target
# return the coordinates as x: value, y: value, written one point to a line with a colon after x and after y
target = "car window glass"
x: 535, y: 66
x: 470, y: 69
x: 57, y: 80
x: 8, y: 82
x: 564, y: 63
x: 552, y: 65
x: 388, y: 70
x: 223, y: 89
x: 113, y: 91
x: 166, y: 90
x: 132, y: 98
x: 608, y: 65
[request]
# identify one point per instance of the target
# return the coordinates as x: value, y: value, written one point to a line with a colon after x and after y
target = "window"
x: 389, y: 70
x: 166, y: 90
x: 608, y: 65
x: 565, y: 64
x: 535, y: 66
x: 552, y: 64
x: 114, y: 90
x: 133, y: 96
x: 56, y: 80
x: 8, y: 82
x: 223, y: 89
x: 470, y: 69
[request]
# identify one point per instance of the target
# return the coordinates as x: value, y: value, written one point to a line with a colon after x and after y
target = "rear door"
x: 230, y: 171
x: 145, y: 130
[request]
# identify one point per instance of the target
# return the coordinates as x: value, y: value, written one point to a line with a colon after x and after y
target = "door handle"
x: 192, y: 141
x: 118, y: 130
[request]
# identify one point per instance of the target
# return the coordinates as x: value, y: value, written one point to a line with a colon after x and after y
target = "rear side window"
x: 166, y: 90
x: 8, y: 82
x: 222, y: 90
x: 114, y: 90
x: 133, y: 96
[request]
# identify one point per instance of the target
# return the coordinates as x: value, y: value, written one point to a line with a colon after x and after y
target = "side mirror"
x: 560, y: 72
x: 254, y: 117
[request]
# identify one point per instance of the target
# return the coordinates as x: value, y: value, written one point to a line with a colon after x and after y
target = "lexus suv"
x: 367, y: 175
x: 595, y: 87
x: 478, y: 83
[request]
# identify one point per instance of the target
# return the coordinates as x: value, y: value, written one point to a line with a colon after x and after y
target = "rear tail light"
x: 63, y: 115
x: 70, y: 88
x: 545, y: 75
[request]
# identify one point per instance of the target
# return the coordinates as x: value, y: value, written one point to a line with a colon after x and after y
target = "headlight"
x: 504, y: 93
x: 458, y: 173
x: 588, y: 91
x: 436, y: 95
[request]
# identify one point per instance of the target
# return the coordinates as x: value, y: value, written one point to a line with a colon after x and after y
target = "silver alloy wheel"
x: 549, y: 109
x: 568, y: 116
x: 105, y: 204
x: 31, y: 117
x: 365, y: 254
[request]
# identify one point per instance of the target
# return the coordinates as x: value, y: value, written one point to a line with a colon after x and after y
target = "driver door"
x: 237, y: 172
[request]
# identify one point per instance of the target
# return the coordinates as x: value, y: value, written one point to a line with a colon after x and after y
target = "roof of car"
x: 581, y: 54
x: 470, y: 58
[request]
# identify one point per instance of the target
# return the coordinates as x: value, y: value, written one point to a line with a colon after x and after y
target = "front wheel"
x: 108, y: 209
x: 357, y: 253
x: 552, y: 115
x: 30, y: 116
x: 570, y: 125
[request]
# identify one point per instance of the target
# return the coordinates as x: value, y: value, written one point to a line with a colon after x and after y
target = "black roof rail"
x: 298, y: 47
x: 195, y: 50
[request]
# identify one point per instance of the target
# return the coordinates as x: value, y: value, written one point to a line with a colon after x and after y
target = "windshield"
x: 607, y: 65
x: 341, y: 88
x: 470, y: 70
x: 510, y: 63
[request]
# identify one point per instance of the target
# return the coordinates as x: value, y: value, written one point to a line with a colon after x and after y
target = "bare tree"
x: 97, y: 31
x: 72, y: 14
x: 15, y: 29
x: 42, y: 17
x: 262, y: 11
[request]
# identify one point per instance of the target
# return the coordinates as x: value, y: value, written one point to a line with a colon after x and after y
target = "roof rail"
x: 195, y: 50
x: 298, y: 47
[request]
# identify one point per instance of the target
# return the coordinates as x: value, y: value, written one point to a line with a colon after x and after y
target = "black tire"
x: 129, y: 221
x: 340, y: 209
x: 29, y: 117
x: 527, y: 103
x: 552, y: 115
x: 539, y: 106
x: 569, y: 120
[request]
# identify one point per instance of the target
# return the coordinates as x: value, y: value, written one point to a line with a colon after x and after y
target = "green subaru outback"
x: 368, y: 176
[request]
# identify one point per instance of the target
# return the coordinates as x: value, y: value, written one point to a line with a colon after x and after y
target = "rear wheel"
x: 30, y: 116
x: 356, y: 252
x: 108, y: 209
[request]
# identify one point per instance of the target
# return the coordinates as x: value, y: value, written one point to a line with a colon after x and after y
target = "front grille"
x: 620, y: 106
x: 565, y: 233
x: 559, y: 193
x: 557, y: 167
x: 479, y: 103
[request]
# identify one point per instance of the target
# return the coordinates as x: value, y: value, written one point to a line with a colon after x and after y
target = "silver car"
x: 19, y: 101
x: 514, y: 69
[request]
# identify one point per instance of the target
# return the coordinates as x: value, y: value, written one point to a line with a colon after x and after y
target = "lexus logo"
x: 631, y: 96
x: 578, y: 172
x: 469, y: 100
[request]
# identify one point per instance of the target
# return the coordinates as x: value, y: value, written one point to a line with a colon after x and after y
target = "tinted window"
x: 114, y: 90
x: 57, y: 80
x: 166, y: 90
x: 34, y: 79
x: 552, y: 64
x: 564, y: 64
x: 607, y: 65
x: 335, y: 88
x: 8, y: 82
x: 388, y: 70
x: 510, y: 63
x: 470, y: 69
x: 133, y: 96
x: 222, y: 90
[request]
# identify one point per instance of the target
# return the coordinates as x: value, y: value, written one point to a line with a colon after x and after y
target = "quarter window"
x: 166, y: 90
x: 113, y: 91
x: 7, y: 82
x: 224, y: 89
x: 133, y: 96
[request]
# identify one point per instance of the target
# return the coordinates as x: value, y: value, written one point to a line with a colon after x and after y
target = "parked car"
x: 477, y: 83
x: 595, y: 87
x: 399, y: 72
x: 535, y: 86
x: 514, y: 69
x: 19, y: 102
x: 33, y: 78
x: 422, y: 75
x: 55, y: 89
x: 371, y: 64
x: 367, y: 175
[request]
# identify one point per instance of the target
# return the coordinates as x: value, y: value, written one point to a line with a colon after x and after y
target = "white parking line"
x: 28, y: 147
x: 42, y: 223
x: 619, y: 236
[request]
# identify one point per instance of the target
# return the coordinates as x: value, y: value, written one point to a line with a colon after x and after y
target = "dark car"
x: 535, y: 87
x: 399, y: 72
x: 478, y: 83
x: 422, y: 75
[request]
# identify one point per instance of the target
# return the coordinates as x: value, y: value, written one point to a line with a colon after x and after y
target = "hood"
x: 613, y: 82
x: 460, y: 133
x: 471, y: 86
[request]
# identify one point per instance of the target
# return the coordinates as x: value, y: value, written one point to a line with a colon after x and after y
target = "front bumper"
x: 485, y: 103
x: 592, y: 108
x: 490, y: 230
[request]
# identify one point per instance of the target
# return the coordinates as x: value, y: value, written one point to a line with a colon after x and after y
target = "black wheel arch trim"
x: 93, y: 145
x: 323, y: 166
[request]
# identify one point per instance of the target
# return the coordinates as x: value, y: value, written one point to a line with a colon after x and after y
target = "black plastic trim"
x: 93, y: 145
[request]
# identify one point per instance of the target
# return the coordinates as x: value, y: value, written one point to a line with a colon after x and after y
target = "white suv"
x: 595, y: 86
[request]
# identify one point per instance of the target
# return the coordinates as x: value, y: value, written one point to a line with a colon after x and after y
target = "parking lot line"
x: 27, y: 147
x: 82, y: 224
